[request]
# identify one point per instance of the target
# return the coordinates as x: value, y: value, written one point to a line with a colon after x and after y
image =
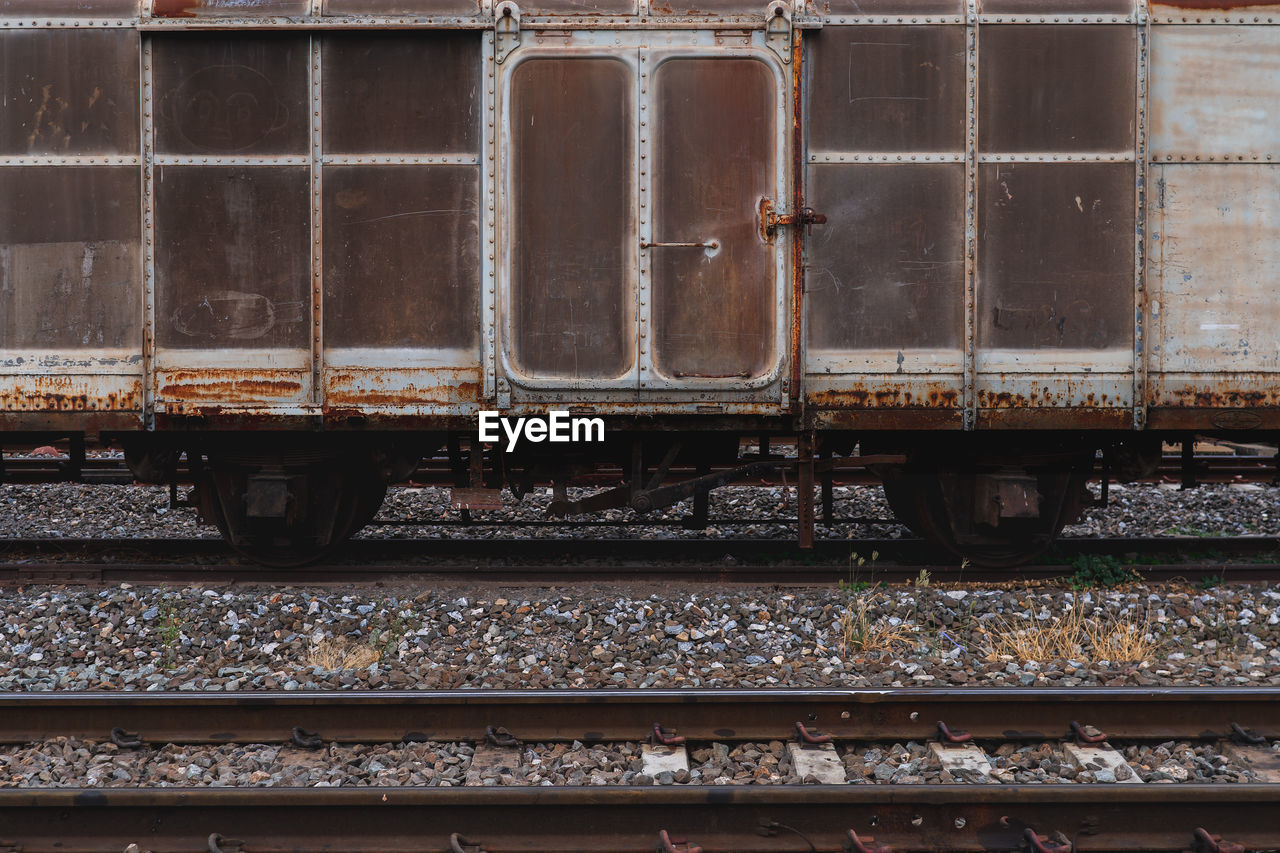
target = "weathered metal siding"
x: 70, y: 232
x: 1215, y: 242
x: 885, y: 284
x: 398, y: 227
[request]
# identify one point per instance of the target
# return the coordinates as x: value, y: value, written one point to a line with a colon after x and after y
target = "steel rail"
x: 794, y: 575
x: 637, y: 549
x: 590, y: 716
x: 632, y: 820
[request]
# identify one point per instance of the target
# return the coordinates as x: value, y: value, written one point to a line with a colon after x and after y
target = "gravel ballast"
x: 71, y: 763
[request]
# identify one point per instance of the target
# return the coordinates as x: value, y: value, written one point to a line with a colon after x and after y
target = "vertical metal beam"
x: 148, y: 237
x: 1140, y: 242
x: 970, y: 395
x: 804, y: 491
x: 644, y: 183
x: 488, y: 228
x: 317, y: 227
x: 791, y: 393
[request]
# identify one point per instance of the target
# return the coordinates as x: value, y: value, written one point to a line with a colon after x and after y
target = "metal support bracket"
x: 506, y: 29
x: 777, y: 29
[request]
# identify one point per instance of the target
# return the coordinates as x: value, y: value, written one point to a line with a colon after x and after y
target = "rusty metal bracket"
x: 305, y: 738
x: 665, y: 737
x: 1040, y: 843
x: 1206, y: 843
x: 945, y: 735
x: 125, y: 740
x: 499, y: 736
x: 458, y: 844
x: 809, y: 737
x: 1084, y: 735
x: 854, y: 844
x: 667, y: 844
x: 506, y: 29
x: 1241, y: 735
x: 218, y: 844
x: 777, y: 29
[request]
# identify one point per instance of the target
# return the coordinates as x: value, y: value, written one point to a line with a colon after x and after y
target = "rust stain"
x: 68, y: 394
x: 940, y: 397
x: 172, y: 9
x: 181, y: 386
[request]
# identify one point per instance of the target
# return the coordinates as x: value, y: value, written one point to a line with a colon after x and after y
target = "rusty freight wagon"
x: 305, y: 242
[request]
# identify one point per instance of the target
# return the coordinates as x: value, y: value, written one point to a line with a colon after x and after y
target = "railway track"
x: 963, y: 815
x: 1238, y: 559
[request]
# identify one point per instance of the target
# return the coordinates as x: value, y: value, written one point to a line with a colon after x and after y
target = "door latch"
x: 506, y: 29
x: 771, y: 221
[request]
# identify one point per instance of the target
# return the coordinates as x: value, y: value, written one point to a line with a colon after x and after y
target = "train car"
x: 987, y: 243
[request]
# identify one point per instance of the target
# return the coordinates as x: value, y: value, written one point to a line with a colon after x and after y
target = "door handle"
x: 708, y: 244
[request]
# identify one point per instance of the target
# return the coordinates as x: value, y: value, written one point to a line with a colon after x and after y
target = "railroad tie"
x: 660, y: 758
x: 1103, y: 758
x: 818, y: 760
x: 963, y: 762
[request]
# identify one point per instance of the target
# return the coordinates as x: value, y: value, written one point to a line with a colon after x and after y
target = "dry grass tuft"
x: 861, y: 632
x: 334, y: 653
x: 1071, y: 635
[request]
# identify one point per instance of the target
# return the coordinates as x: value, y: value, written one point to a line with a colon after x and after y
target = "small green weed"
x: 1101, y: 570
x: 170, y: 626
x: 856, y: 564
x: 1210, y: 581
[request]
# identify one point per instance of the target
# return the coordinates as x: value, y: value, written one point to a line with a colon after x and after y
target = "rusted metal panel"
x: 1215, y: 93
x: 196, y: 389
x: 1056, y: 256
x: 228, y: 8
x: 896, y: 7
x: 1057, y: 88
x: 401, y: 93
x: 1046, y: 417
x: 580, y: 7
x: 892, y: 89
x: 1009, y: 380
x: 69, y: 92
x: 886, y: 271
x: 705, y: 7
x: 69, y: 8
x: 239, y: 96
x: 401, y: 257
x: 232, y: 257
x: 1054, y: 7
x: 714, y: 303
x: 70, y: 268
x: 1214, y: 307
x: 572, y: 289
x: 423, y: 391
x: 53, y: 392
x: 401, y: 7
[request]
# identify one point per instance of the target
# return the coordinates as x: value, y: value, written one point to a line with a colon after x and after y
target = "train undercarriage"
x: 990, y: 499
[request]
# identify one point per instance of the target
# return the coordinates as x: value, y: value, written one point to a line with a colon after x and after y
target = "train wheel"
x: 991, y: 516
x: 286, y: 512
